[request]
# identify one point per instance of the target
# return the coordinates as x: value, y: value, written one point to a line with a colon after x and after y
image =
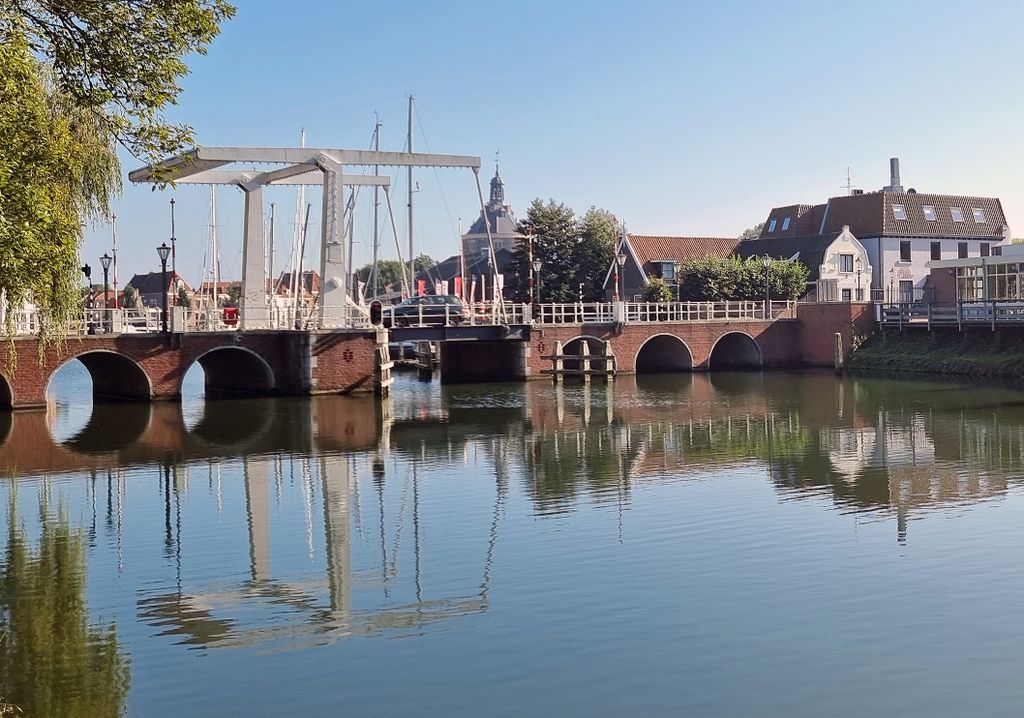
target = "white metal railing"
x: 993, y: 312
x: 187, y: 319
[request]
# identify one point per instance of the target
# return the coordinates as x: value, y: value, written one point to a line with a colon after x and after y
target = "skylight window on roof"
x: 771, y: 225
x: 898, y: 212
x: 785, y: 223
x: 957, y: 214
x: 929, y: 212
x: 979, y: 215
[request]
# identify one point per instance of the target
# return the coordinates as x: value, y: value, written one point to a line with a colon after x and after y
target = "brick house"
x: 658, y: 256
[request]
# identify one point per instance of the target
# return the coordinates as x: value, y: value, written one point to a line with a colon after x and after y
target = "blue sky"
x: 679, y: 117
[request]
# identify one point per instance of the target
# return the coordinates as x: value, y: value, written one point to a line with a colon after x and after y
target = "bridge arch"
x: 663, y: 354
x: 234, y: 371
x: 6, y: 393
x: 736, y: 350
x: 114, y: 376
x: 574, y: 345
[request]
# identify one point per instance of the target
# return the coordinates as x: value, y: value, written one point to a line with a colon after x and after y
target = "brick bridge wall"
x: 152, y: 366
x: 807, y: 340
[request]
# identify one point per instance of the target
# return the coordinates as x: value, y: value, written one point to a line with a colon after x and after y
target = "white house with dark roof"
x: 839, y: 265
x: 902, y: 231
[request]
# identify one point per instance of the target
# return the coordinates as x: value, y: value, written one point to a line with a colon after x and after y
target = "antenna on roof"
x: 849, y: 183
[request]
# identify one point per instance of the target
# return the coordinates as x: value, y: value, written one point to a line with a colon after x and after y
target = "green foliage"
x: 182, y: 299
x: 389, y: 271
x: 658, y: 290
x: 130, y: 299
x: 57, y: 170
x: 752, y: 232
x: 53, y: 662
x: 121, y: 61
x: 234, y: 296
x: 713, y: 279
x: 574, y: 251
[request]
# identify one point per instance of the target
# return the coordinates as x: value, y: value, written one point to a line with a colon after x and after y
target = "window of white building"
x: 929, y: 212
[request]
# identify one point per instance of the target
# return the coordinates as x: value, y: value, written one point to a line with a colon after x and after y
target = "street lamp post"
x: 105, y: 262
x: 860, y: 266
x: 164, y: 251
x: 892, y: 286
x: 767, y: 262
x: 529, y: 262
x: 535, y: 265
x: 620, y: 261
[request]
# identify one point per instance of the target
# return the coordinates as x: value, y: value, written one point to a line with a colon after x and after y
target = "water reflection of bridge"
x: 923, y: 447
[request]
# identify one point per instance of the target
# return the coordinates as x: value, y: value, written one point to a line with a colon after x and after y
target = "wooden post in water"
x: 585, y: 361
x: 556, y: 364
x: 838, y: 349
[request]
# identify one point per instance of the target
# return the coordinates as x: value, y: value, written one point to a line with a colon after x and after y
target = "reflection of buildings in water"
x: 290, y: 613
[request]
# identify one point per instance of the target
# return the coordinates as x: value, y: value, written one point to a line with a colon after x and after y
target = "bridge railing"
x: 574, y: 313
x: 992, y: 312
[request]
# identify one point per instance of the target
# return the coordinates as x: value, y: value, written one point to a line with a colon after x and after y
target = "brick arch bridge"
x: 145, y: 367
x: 804, y: 340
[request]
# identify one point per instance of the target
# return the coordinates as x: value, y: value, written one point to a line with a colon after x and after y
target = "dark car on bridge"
x: 430, y: 309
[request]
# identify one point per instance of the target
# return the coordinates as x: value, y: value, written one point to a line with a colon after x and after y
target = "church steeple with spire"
x: 497, y: 188
x: 498, y: 215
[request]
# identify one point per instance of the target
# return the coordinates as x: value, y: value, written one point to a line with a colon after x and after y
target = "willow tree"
x: 77, y: 78
x: 58, y: 170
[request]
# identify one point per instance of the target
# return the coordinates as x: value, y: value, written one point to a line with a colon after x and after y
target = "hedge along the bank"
x: 714, y: 279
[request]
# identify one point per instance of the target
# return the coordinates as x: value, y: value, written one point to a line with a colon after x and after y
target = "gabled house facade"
x: 649, y: 256
x: 151, y: 289
x: 902, y: 231
x: 839, y: 265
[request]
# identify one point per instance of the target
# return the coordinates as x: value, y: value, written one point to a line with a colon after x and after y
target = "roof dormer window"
x: 979, y: 215
x: 929, y: 212
x: 898, y: 212
x: 957, y: 214
x: 785, y: 223
x: 771, y: 225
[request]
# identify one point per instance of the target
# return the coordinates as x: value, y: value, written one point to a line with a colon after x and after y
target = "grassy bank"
x: 977, y: 352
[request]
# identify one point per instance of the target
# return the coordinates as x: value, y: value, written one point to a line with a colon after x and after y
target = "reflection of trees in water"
x: 53, y: 662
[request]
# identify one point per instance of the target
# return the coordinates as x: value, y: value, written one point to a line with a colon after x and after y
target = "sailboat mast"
x: 214, y: 250
x: 113, y: 251
x: 270, y: 257
x: 297, y: 239
x: 376, y: 212
x: 412, y: 257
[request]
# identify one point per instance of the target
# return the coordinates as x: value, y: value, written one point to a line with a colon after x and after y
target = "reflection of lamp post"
x: 860, y: 294
x: 535, y: 265
x: 892, y: 285
x: 164, y: 251
x: 105, y: 261
x: 620, y: 261
x: 767, y: 262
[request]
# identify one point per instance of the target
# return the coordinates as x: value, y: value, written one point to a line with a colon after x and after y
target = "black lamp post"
x: 87, y: 271
x: 105, y: 262
x: 537, y: 264
x: 164, y: 251
x: 767, y: 262
x: 860, y: 266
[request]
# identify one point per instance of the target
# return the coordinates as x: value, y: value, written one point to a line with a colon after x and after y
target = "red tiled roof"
x: 679, y: 249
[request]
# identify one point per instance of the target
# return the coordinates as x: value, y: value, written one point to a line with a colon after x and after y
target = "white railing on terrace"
x: 187, y: 320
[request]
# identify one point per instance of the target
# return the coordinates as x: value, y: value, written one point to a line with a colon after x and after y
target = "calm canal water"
x: 733, y: 544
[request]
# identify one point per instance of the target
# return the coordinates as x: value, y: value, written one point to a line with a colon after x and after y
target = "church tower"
x: 500, y: 218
